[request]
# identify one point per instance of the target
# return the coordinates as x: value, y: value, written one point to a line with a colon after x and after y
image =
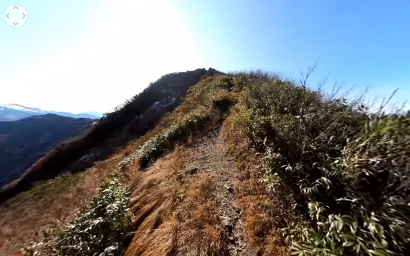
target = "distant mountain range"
x: 12, y: 112
x: 24, y: 141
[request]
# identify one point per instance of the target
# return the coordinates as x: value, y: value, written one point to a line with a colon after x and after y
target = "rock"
x: 226, y: 221
x: 191, y: 171
x: 229, y: 188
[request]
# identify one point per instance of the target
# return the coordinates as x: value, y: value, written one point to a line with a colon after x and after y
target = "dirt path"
x: 208, y: 156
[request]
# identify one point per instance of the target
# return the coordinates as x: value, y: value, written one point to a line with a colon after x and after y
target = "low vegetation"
x: 345, y: 166
x: 175, y: 212
x: 111, y: 125
x: 48, y: 205
x: 319, y: 175
x: 100, y: 228
x: 156, y: 146
x: 202, y: 110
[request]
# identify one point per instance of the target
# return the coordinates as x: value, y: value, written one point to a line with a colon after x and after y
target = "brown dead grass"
x: 33, y: 214
x: 174, y: 212
x: 128, y: 150
x: 200, y: 96
x: 264, y: 217
x: 237, y: 146
x: 264, y: 211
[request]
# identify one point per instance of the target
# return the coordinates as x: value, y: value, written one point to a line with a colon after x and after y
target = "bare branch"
x: 305, y: 77
x: 384, y: 103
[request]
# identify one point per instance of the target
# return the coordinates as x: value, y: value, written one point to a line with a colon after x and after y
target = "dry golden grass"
x: 56, y: 202
x: 263, y: 216
x: 237, y: 146
x: 160, y: 171
x: 264, y: 211
x: 128, y: 150
x: 34, y: 213
x: 174, y: 212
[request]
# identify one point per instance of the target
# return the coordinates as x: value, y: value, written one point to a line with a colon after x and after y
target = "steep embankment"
x: 137, y: 116
x: 189, y: 195
x: 201, y: 199
x: 316, y: 175
x: 93, y: 155
x: 252, y: 164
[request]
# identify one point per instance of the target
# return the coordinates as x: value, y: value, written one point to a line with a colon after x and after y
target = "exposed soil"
x: 208, y: 156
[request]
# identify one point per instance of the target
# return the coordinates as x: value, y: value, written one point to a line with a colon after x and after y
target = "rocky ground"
x: 208, y: 156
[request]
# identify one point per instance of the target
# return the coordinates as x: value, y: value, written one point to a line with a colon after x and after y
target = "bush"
x: 155, y: 147
x: 346, y: 167
x: 101, y: 227
x: 195, y: 112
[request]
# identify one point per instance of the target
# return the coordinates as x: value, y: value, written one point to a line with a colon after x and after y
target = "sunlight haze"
x: 93, y: 55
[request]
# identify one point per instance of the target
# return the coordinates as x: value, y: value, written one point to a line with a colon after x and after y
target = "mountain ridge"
x: 245, y: 163
x: 13, y: 111
x: 26, y: 140
x: 129, y: 117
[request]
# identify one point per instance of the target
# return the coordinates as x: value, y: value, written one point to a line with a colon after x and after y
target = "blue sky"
x: 358, y: 43
x: 92, y: 55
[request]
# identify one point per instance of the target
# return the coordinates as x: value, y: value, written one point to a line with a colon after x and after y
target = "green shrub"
x: 346, y: 167
x: 212, y: 92
x: 376, y: 215
x: 155, y: 147
x: 100, y: 228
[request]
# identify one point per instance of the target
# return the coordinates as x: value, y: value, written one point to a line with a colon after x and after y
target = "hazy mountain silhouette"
x: 12, y: 112
x: 22, y: 142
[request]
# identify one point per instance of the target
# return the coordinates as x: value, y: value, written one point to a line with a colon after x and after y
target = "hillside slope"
x: 125, y: 123
x: 246, y: 164
x: 23, y: 142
